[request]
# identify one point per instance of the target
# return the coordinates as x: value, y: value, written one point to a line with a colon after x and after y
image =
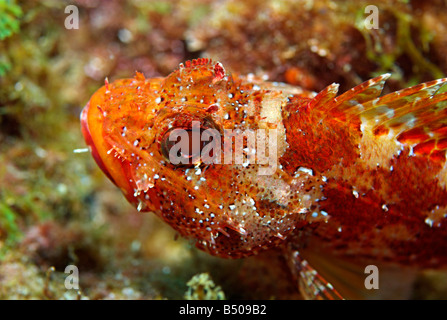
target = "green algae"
x: 10, y: 14
x: 386, y: 59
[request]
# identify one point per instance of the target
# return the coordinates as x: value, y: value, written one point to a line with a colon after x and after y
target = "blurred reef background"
x: 57, y: 208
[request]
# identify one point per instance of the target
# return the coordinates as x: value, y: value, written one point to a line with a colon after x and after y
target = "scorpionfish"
x: 338, y: 182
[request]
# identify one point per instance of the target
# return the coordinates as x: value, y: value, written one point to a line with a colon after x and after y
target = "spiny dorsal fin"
x: 402, y: 102
x: 322, y: 99
x: 351, y: 101
x: 415, y: 116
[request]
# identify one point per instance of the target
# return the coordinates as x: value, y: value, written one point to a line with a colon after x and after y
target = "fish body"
x: 242, y: 165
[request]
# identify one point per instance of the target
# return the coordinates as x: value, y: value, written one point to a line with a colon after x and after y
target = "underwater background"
x: 58, y: 209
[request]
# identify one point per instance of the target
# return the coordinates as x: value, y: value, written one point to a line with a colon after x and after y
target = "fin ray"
x: 415, y: 116
x: 357, y: 96
x: 311, y: 284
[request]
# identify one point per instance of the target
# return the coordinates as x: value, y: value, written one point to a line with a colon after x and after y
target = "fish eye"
x: 185, y: 146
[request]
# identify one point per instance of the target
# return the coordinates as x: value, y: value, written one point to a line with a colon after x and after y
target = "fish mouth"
x: 117, y: 170
x: 90, y: 143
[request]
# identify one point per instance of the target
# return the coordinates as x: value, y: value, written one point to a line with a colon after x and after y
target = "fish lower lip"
x: 89, y: 141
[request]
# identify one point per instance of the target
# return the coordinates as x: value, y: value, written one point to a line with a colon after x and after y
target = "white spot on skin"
x: 436, y: 216
x: 306, y: 170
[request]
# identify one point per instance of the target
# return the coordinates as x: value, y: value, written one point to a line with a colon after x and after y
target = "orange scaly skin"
x: 359, y: 178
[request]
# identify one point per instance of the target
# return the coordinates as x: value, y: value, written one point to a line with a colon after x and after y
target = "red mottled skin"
x: 361, y: 179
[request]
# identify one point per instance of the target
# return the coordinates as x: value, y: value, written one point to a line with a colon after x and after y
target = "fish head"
x: 167, y: 143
